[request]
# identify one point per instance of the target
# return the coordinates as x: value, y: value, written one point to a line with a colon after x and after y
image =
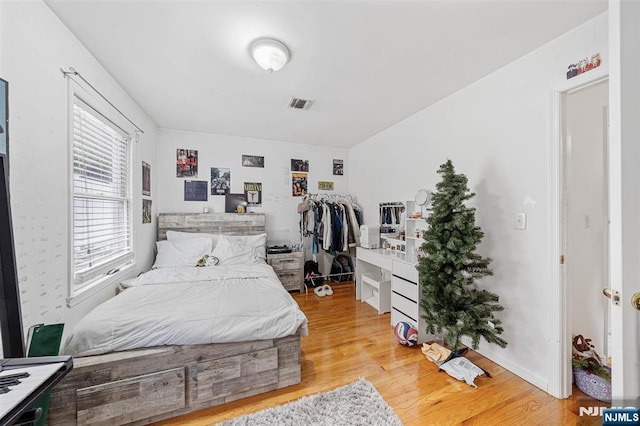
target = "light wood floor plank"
x: 348, y: 340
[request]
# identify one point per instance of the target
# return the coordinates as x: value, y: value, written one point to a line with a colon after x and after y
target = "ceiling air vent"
x: 298, y: 103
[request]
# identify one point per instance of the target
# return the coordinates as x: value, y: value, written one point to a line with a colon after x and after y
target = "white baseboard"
x: 516, y: 369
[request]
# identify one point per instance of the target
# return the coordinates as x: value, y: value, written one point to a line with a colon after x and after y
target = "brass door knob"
x: 635, y: 301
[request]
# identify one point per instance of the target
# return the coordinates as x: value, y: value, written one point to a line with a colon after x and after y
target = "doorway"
x: 585, y: 213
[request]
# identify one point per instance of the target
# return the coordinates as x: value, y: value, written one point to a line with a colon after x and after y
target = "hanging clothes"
x: 331, y: 222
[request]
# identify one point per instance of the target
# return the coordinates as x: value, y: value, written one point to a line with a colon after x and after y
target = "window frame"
x: 115, y: 269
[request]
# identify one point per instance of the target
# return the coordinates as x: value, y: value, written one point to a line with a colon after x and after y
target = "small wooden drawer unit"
x: 290, y: 269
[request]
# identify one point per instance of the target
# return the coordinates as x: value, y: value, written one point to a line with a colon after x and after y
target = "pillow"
x: 257, y: 242
x: 235, y: 252
x: 179, y: 235
x: 182, y: 252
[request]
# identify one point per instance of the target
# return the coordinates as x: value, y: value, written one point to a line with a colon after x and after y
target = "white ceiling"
x: 366, y: 64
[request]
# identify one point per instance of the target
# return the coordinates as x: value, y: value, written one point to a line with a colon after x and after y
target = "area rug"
x: 357, y: 403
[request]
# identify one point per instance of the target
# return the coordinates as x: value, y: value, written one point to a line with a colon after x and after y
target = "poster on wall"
x: 252, y: 161
x: 146, y: 178
x: 299, y: 165
x: 253, y: 193
x: 146, y: 211
x: 195, y: 190
x: 325, y: 186
x: 338, y: 167
x: 186, y: 163
x: 298, y: 184
x: 4, y: 116
x: 220, y: 181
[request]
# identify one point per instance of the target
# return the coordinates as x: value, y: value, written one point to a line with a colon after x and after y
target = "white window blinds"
x: 101, y: 195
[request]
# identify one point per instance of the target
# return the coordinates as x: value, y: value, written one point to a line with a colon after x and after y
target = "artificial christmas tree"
x: 451, y: 303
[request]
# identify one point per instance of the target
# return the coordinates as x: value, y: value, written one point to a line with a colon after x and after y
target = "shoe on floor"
x: 320, y: 291
x: 328, y: 291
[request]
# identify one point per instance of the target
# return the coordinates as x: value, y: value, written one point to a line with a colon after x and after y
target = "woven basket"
x: 594, y: 386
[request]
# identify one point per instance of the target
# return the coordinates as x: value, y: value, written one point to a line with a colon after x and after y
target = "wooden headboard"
x: 212, y: 223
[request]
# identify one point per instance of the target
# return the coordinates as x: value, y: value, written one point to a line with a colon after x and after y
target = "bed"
x: 189, y: 360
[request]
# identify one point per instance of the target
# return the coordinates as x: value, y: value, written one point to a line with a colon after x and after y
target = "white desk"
x: 388, y: 281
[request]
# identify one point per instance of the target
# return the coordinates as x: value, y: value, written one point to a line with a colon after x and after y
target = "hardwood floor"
x: 348, y: 339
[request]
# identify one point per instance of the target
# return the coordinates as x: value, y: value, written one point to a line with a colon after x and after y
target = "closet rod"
x: 72, y: 71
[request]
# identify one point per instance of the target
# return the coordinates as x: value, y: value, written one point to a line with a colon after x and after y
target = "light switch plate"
x: 520, y: 221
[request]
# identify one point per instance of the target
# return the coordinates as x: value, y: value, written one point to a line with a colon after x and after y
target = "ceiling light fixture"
x: 270, y: 54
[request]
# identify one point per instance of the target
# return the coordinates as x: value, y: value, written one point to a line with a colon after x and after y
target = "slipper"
x: 320, y: 291
x: 328, y: 291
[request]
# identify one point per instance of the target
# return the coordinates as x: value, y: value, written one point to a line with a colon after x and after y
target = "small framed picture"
x: 146, y: 211
x: 220, y: 180
x: 187, y: 163
x: 338, y: 167
x: 252, y: 161
x: 325, y: 186
x: 146, y: 178
x: 298, y: 184
x: 299, y: 165
x: 195, y: 190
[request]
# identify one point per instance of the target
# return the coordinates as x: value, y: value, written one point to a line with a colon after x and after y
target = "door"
x: 624, y: 165
x: 586, y: 212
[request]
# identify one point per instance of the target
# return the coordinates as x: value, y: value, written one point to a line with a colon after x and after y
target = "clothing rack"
x: 327, y: 196
x: 390, y: 214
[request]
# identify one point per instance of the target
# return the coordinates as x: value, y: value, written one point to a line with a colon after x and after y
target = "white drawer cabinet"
x: 290, y: 269
x: 405, y: 298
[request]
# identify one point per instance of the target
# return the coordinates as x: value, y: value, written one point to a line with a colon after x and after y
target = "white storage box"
x: 370, y: 236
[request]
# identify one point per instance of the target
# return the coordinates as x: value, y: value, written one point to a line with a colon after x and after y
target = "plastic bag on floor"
x: 462, y: 369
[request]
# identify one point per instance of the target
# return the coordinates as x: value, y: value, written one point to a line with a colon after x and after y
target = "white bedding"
x: 189, y: 305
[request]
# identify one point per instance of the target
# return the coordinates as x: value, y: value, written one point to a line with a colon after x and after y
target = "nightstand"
x: 290, y: 269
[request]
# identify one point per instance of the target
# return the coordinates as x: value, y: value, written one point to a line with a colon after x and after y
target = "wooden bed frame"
x: 146, y: 385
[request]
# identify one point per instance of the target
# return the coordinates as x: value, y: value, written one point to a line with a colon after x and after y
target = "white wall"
x: 497, y: 132
x: 226, y: 151
x: 35, y: 45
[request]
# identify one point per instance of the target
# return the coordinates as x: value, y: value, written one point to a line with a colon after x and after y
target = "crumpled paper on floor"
x: 435, y: 352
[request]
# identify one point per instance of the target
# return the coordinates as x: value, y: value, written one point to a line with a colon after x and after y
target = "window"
x: 101, y: 206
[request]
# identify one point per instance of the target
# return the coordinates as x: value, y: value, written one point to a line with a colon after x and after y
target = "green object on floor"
x: 44, y: 340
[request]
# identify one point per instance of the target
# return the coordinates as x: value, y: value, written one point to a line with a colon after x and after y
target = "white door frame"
x: 559, y: 377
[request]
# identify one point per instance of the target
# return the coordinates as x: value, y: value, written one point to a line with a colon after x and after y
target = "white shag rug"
x: 357, y: 403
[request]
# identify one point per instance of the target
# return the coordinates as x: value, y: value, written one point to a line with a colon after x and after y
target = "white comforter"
x: 188, y: 305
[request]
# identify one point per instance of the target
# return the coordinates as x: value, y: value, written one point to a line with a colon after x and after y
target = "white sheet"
x: 188, y: 305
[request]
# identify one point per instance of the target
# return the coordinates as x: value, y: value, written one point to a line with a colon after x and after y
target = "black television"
x: 232, y: 201
x: 10, y: 313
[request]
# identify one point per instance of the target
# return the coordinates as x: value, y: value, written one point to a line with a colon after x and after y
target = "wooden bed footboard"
x: 146, y: 385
